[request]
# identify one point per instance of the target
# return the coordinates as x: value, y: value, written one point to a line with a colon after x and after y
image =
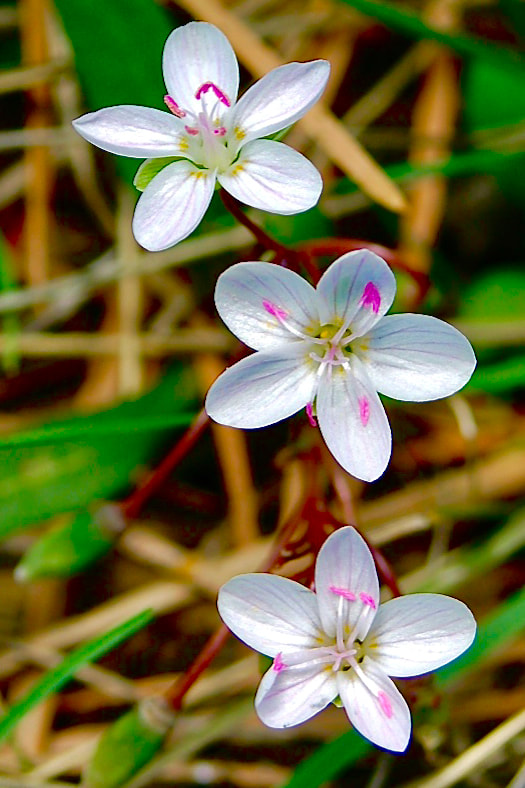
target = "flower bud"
x: 129, y: 744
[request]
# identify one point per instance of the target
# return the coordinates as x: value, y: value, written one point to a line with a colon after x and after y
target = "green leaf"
x: 148, y: 169
x: 72, y: 546
x: 499, y: 378
x: 10, y: 323
x: 88, y: 458
x: 407, y: 22
x: 118, y: 52
x: 129, y: 744
x: 497, y: 294
x: 57, y: 677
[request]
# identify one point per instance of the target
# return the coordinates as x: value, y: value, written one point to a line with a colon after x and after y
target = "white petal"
x: 345, y: 569
x: 194, y: 54
x: 247, y: 293
x: 271, y: 614
x: 417, y: 358
x: 128, y: 130
x: 377, y: 710
x: 357, y: 289
x: 261, y: 390
x: 417, y: 633
x: 273, y: 177
x: 280, y: 98
x: 172, y: 205
x: 292, y: 696
x: 353, y: 421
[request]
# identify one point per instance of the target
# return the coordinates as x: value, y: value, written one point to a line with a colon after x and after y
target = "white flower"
x: 337, y: 642
x: 331, y: 350
x: 213, y: 137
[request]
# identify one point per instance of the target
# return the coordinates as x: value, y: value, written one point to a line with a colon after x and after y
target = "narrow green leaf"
x: 407, y: 22
x: 54, y: 679
x: 72, y: 545
x: 10, y: 323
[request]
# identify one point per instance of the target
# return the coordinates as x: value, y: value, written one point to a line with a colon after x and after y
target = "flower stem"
x: 174, y: 695
x: 134, y: 503
x: 262, y: 237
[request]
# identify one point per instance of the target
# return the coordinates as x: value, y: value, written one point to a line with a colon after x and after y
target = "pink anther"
x: 310, y: 414
x: 371, y: 297
x: 278, y: 663
x: 366, y: 599
x: 220, y: 132
x: 274, y: 310
x: 191, y: 130
x: 174, y: 107
x: 218, y: 92
x: 364, y: 410
x: 384, y: 702
x: 344, y: 592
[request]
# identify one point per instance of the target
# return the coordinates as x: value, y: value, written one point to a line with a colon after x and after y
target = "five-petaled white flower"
x: 331, y: 350
x: 212, y: 137
x: 337, y: 642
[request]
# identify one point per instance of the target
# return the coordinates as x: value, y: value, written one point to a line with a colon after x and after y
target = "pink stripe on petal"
x: 371, y: 297
x: 384, y: 702
x: 364, y: 410
x: 278, y: 663
x: 274, y: 310
x: 366, y: 599
x: 344, y: 592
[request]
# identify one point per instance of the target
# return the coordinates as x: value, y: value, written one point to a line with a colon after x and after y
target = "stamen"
x: 364, y: 410
x: 344, y: 592
x: 220, y: 132
x: 371, y: 297
x: 311, y: 417
x: 384, y: 702
x: 274, y: 310
x: 191, y: 130
x: 366, y: 599
x: 278, y: 663
x: 218, y: 92
x: 174, y: 107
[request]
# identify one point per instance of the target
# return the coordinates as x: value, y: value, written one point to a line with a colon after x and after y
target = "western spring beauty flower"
x: 209, y: 136
x: 339, y: 642
x: 331, y: 349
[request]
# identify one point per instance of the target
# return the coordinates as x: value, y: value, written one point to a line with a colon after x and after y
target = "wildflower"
x: 331, y: 350
x: 339, y: 643
x: 207, y: 136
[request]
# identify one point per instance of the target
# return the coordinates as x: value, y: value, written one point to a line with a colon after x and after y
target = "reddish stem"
x: 134, y: 503
x: 262, y: 237
x: 175, y: 694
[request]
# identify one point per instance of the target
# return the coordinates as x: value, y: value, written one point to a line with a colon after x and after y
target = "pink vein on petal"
x: 371, y: 297
x: 386, y: 706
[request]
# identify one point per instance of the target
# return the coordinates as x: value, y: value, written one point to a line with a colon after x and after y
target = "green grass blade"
x: 408, y: 23
x: 57, y: 677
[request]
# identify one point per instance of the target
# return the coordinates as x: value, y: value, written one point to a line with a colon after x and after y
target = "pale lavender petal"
x: 262, y: 389
x: 289, y: 697
x: 271, y: 614
x: 279, y: 99
x: 196, y: 54
x: 346, y: 583
x: 376, y: 709
x: 273, y: 177
x: 357, y: 289
x: 417, y: 633
x: 353, y: 421
x: 417, y: 357
x: 266, y: 305
x: 172, y: 205
x: 138, y: 132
